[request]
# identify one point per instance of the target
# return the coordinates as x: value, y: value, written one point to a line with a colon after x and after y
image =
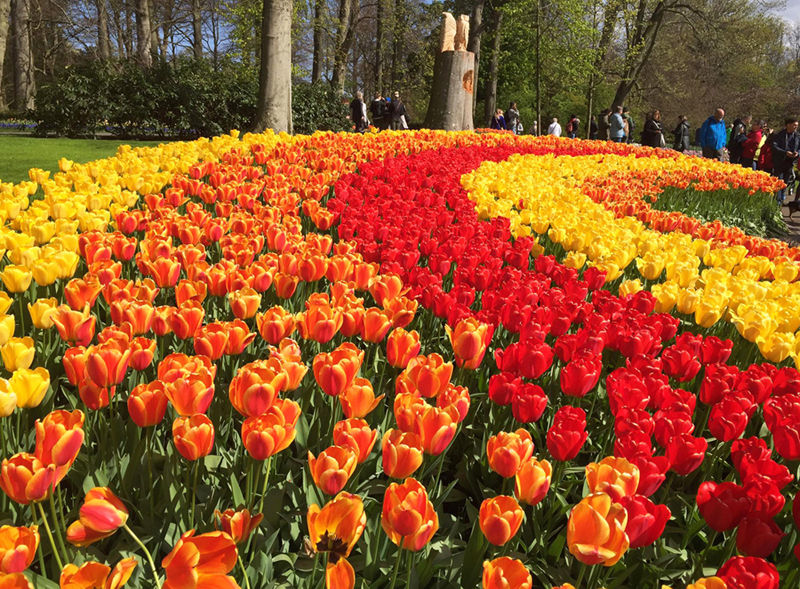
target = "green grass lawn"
x: 18, y: 154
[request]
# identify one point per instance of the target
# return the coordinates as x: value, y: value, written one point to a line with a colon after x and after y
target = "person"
x: 573, y: 126
x: 535, y: 128
x: 681, y: 134
x: 377, y: 109
x: 750, y: 146
x: 785, y: 151
x: 512, y: 119
x: 603, y: 124
x: 764, y: 155
x: 554, y: 128
x: 398, y: 113
x: 593, y: 127
x: 498, y: 120
x: 358, y: 113
x: 712, y: 135
x: 653, y: 133
x: 616, y: 126
x: 738, y: 136
x: 629, y: 124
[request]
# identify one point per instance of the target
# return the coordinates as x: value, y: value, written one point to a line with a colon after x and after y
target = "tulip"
x: 92, y: 575
x: 102, y: 511
x: 332, y: 468
x: 238, y: 524
x: 455, y: 400
x: 93, y: 396
x: 239, y: 337
x: 401, y: 453
x: 29, y: 386
x: 429, y: 375
x: 646, y: 520
x: 401, y: 310
x: 336, y: 371
x: 147, y: 403
x: 758, y: 536
x: 528, y: 403
x: 186, y: 320
x: 142, y: 352
x: 244, y: 303
x: 16, y: 278
x: 504, y: 573
x: 75, y: 327
x: 285, y: 284
x: 41, y: 312
x: 80, y: 293
x: 375, y: 325
x: 59, y: 438
x: 24, y: 478
x: 8, y: 399
x: 267, y: 434
x: 107, y: 363
x: 722, y: 505
x: 358, y: 400
x: 211, y: 340
x: 256, y: 386
x: 401, y: 347
x: 408, y: 516
x: 17, y: 548
x: 187, y: 290
x: 162, y: 321
x: 708, y: 583
x: 275, y: 324
x: 355, y: 434
x: 596, y: 530
x: 469, y: 340
x: 507, y: 451
x: 291, y: 361
x: 749, y: 571
x: 339, y: 574
x: 200, y: 561
x: 337, y: 526
x: 580, y: 376
x: 532, y: 481
x: 139, y: 316
x: 615, y: 476
x: 386, y: 287
x: 17, y: 353
x: 685, y: 453
x: 7, y: 326
x: 500, y: 518
x: 193, y: 436
x: 320, y: 321
x: 435, y: 427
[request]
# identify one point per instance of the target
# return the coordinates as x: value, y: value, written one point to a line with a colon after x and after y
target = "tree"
x: 25, y: 86
x: 5, y: 20
x: 343, y: 43
x: 274, y: 110
x: 197, y: 29
x: 490, y: 102
x: 143, y: 33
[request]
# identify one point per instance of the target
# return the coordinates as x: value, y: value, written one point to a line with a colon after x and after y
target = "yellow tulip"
x: 666, y: 296
x: 41, y: 312
x: 45, y: 271
x: 8, y: 400
x: 574, y: 260
x: 776, y: 346
x: 16, y: 278
x: 5, y: 302
x: 629, y: 287
x: 18, y: 353
x: 7, y: 324
x: 30, y: 386
x: 687, y: 300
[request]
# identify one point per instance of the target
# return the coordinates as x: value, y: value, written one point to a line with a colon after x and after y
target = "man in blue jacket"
x: 713, y: 136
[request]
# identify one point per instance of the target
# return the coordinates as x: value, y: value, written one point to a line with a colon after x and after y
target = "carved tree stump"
x: 450, y: 106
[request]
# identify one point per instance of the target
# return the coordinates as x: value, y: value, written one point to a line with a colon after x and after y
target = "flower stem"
x: 194, y: 493
x: 397, y: 562
x: 57, y: 526
x: 40, y: 553
x: 244, y: 571
x: 147, y: 554
x: 50, y: 536
x: 266, y: 483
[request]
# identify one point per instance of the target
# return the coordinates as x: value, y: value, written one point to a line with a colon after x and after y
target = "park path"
x: 793, y: 225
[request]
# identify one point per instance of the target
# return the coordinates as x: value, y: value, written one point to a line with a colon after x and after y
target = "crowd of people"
x: 384, y: 112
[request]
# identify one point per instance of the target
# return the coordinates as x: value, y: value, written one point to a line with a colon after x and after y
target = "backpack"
x: 569, y: 127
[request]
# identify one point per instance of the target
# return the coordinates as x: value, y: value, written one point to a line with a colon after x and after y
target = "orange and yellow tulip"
x: 358, y: 400
x: 408, y: 516
x: 336, y: 370
x: 275, y: 324
x: 500, y: 518
x: 95, y: 575
x: 332, y: 468
x: 193, y: 436
x: 508, y: 451
x: 469, y: 339
x: 355, y: 434
x: 59, y: 437
x: 532, y: 481
x: 615, y: 476
x: 504, y: 573
x: 200, y: 561
x: 429, y: 375
x: 25, y: 479
x: 401, y: 453
x: 338, y: 525
x: 596, y: 530
x: 17, y: 548
x: 147, y: 403
x: 401, y: 347
x: 238, y: 524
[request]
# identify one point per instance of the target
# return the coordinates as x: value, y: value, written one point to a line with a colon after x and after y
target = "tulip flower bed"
x: 394, y: 360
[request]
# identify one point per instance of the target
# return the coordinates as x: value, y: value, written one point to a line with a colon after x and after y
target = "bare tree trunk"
x: 490, y: 101
x: 215, y: 32
x: 197, y: 29
x: 475, y: 33
x: 166, y: 29
x: 128, y: 27
x: 316, y: 66
x: 398, y: 40
x: 23, y: 67
x: 5, y: 19
x: 103, y: 40
x: 379, y: 35
x: 344, y: 40
x: 143, y: 35
x: 274, y: 109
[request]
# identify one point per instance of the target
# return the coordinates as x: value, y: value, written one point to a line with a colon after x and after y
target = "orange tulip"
x: 291, y: 361
x: 142, y: 352
x: 275, y: 324
x: 164, y: 271
x: 201, y: 561
x: 335, y: 371
x: 75, y: 327
x: 386, y: 287
x: 320, y: 321
x: 238, y: 524
x: 162, y: 321
x: 267, y: 434
x: 337, y: 526
x: 256, y: 386
x: 408, y: 516
x: 211, y: 340
x: 507, y: 451
x: 187, y: 290
x: 407, y: 406
x: 24, y: 478
x: 358, y: 400
x: 239, y: 337
x: 59, y: 438
x: 340, y: 267
x: 193, y: 436
x: 455, y: 400
x: 285, y: 284
x: 352, y: 318
x: 401, y: 310
x: 430, y: 374
x: 332, y: 468
x: 401, y: 346
x: 505, y: 573
x: 186, y: 319
x: 596, y: 530
x: 339, y: 574
x: 80, y: 293
x: 500, y: 518
x: 15, y: 581
x: 140, y: 316
x: 74, y: 361
x: 401, y: 452
x: 469, y: 339
x: 615, y: 476
x: 363, y: 273
x: 17, y: 548
x: 435, y: 428
x: 312, y: 267
x: 147, y: 403
x: 95, y: 575
x: 533, y: 481
x: 244, y: 302
x: 355, y: 434
x: 376, y: 324
x: 102, y: 511
x: 708, y: 583
x: 107, y: 363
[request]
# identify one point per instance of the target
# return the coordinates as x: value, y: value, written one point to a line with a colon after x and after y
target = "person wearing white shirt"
x: 554, y: 128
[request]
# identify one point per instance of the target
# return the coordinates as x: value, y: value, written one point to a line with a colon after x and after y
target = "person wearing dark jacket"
x: 498, y: 120
x: 738, y: 136
x: 358, y: 113
x: 750, y: 145
x: 785, y: 151
x: 397, y: 111
x: 653, y: 133
x: 377, y: 109
x: 681, y: 134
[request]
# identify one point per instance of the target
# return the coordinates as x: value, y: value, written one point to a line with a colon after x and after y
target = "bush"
x: 317, y: 107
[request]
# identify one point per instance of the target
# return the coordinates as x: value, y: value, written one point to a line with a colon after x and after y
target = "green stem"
x: 244, y: 571
x: 314, y: 572
x: 59, y: 532
x: 397, y: 562
x: 266, y: 483
x: 147, y: 554
x: 581, y: 575
x: 40, y: 553
x: 194, y: 493
x: 410, y: 567
x: 50, y: 536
